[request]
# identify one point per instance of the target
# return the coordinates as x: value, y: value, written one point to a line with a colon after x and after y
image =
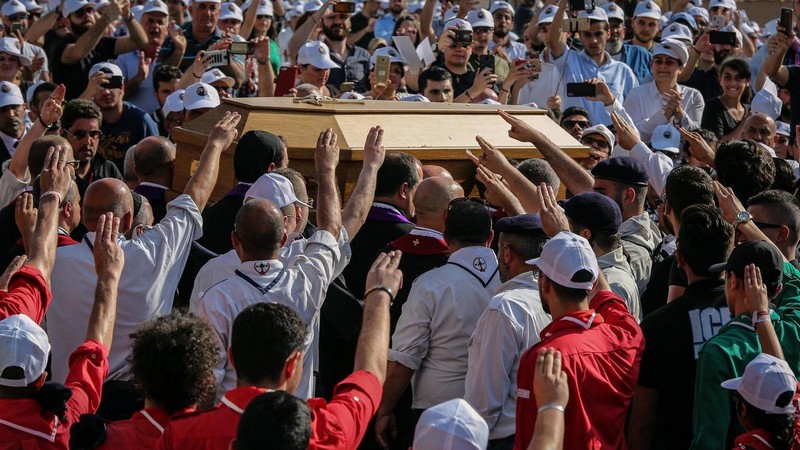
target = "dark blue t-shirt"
x: 133, y: 126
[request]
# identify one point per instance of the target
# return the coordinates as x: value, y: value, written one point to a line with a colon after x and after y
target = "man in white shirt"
x: 510, y: 325
x: 155, y: 260
x: 503, y: 14
x: 443, y: 307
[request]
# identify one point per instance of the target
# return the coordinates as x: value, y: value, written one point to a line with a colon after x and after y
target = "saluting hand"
x: 109, y: 259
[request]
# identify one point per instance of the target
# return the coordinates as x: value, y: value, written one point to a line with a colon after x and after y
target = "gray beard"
x: 614, y: 47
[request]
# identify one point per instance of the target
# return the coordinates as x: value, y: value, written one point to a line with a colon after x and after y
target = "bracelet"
x: 761, y: 317
x: 44, y: 124
x: 53, y: 193
x: 469, y: 96
x: 695, y: 49
x: 262, y: 62
x: 383, y: 288
x: 502, y: 89
x: 196, y: 75
x: 550, y: 406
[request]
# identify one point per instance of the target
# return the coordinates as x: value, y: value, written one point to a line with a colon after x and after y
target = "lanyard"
x: 86, y: 239
x: 265, y: 289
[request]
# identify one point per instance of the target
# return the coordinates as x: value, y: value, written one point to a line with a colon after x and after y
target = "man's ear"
x: 628, y: 196
x: 680, y: 259
x: 404, y: 191
x: 293, y: 363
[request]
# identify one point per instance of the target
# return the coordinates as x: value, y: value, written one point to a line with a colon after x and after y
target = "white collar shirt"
x: 10, y: 186
x: 438, y: 318
x: 615, y: 267
x: 539, y: 90
x: 154, y: 261
x: 510, y: 325
x: 301, y: 285
x: 10, y: 142
x: 514, y: 50
x: 645, y: 105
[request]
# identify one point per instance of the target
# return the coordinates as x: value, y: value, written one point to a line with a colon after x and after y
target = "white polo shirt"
x: 437, y: 321
x: 154, y: 261
x: 510, y: 325
x: 539, y: 90
x: 10, y: 186
x: 514, y: 50
x: 645, y: 105
x: 301, y: 285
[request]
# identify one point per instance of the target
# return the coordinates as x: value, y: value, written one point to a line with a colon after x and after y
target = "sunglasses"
x: 482, y: 30
x: 17, y: 17
x: 764, y: 225
x: 572, y: 123
x: 80, y: 134
x: 600, y: 142
x: 461, y: 44
x: 82, y: 12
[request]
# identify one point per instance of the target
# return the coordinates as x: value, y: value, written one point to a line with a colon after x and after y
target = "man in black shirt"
x: 87, y: 46
x: 468, y: 85
x: 362, y: 24
x: 662, y: 405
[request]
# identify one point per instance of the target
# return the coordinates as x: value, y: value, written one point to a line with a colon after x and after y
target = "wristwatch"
x: 741, y: 217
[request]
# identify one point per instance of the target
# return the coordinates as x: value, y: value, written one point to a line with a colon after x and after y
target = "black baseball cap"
x: 763, y: 254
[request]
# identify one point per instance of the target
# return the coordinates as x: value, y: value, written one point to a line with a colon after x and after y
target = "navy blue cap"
x: 594, y: 211
x: 763, y: 254
x: 522, y: 224
x: 622, y: 169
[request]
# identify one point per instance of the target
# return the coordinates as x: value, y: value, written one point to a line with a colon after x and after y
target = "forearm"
x: 328, y: 209
x: 204, y: 179
x: 772, y: 63
x: 548, y: 433
x: 38, y: 29
x: 266, y: 80
x: 574, y: 177
x: 175, y: 58
x: 357, y: 207
x: 85, y: 43
x: 426, y: 19
x: 688, y: 70
x: 136, y: 33
x: 769, y: 340
x: 19, y: 162
x: 104, y: 311
x: 398, y: 377
x: 132, y: 85
x: 525, y: 192
x: 43, y: 243
x: 373, y: 341
x: 190, y: 76
x: 249, y: 22
x: 357, y: 36
x: 300, y: 37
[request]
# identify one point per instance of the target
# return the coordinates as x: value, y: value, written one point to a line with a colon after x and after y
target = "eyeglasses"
x: 17, y: 17
x: 461, y: 44
x: 763, y: 225
x: 600, y: 143
x: 80, y: 134
x: 572, y: 123
x: 482, y: 30
x: 82, y: 12
x: 74, y: 163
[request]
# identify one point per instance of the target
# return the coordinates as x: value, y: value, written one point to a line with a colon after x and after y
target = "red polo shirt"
x: 140, y: 432
x: 28, y: 294
x: 601, y: 349
x: 23, y: 424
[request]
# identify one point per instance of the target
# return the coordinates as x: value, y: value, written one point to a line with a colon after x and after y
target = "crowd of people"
x: 646, y: 296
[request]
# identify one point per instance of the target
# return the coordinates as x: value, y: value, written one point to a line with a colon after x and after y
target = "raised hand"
x: 491, y: 158
x: 755, y: 291
x: 51, y: 109
x: 549, y: 381
x: 698, y: 147
x: 12, y: 268
x: 25, y: 216
x: 602, y: 93
x: 261, y: 48
x: 729, y: 205
x: 56, y: 175
x: 224, y: 132
x: 326, y: 156
x: 385, y: 272
x: 627, y: 137
x: 497, y: 193
x: 520, y: 130
x: 374, y: 151
x: 553, y: 218
x: 109, y: 259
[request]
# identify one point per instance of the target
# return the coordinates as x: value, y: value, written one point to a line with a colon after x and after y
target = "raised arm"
x: 50, y: 115
x: 266, y: 77
x: 301, y: 34
x: 136, y: 38
x: 552, y: 391
x: 553, y: 42
x: 47, y: 22
x: 575, y: 178
x: 77, y: 51
x: 326, y: 158
x: 109, y: 259
x: 357, y: 207
x: 426, y: 19
x: 494, y: 162
x: 773, y: 67
x: 249, y: 20
x: 756, y: 302
x: 204, y: 179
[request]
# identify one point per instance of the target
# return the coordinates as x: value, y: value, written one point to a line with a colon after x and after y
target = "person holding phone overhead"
x: 387, y: 71
x: 783, y: 75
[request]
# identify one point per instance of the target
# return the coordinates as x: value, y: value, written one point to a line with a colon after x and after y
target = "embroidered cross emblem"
x: 479, y: 263
x: 416, y: 242
x: 262, y: 267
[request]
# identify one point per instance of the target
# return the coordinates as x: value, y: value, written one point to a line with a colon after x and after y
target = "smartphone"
x: 345, y: 7
x: 717, y: 22
x: 578, y: 24
x: 722, y: 38
x: 486, y: 61
x: 217, y: 58
x: 347, y: 86
x: 114, y: 82
x: 382, y: 64
x: 581, y: 5
x: 242, y: 48
x: 17, y: 26
x: 462, y: 36
x: 285, y: 81
x: 787, y: 19
x: 581, y: 90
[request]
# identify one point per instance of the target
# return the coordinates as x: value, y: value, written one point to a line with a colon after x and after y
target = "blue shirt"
x: 133, y: 126
x: 193, y: 46
x: 639, y: 60
x: 580, y: 67
x: 384, y: 27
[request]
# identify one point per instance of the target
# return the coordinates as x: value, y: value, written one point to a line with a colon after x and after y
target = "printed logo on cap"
x: 262, y: 267
x: 322, y: 50
x: 479, y: 263
x: 480, y: 14
x: 612, y: 7
x: 649, y: 6
x: 157, y: 4
x: 180, y: 96
x: 667, y: 134
x: 201, y: 91
x: 549, y: 10
x: 5, y: 89
x: 673, y: 28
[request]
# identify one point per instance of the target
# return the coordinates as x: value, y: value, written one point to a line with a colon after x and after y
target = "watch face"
x: 743, y: 216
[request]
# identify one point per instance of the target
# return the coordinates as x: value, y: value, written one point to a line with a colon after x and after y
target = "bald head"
x: 760, y: 128
x: 152, y: 156
x: 259, y: 230
x: 108, y: 195
x: 434, y: 195
x: 430, y: 170
x: 38, y: 151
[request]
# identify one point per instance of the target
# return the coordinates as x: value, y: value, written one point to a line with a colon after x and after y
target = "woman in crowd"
x: 724, y: 115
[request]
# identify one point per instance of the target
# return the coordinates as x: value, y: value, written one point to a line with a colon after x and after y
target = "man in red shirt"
x: 267, y: 351
x: 600, y: 343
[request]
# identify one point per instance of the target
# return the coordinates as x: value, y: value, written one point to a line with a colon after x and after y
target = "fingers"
x: 472, y: 157
x: 394, y: 259
x: 556, y: 369
x: 115, y: 229
x: 48, y: 158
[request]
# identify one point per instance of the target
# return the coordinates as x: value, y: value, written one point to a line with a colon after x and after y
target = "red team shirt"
x: 140, y: 432
x: 601, y: 349
x: 27, y: 294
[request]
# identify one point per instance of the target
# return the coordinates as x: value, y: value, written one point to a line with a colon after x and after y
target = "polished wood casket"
x: 435, y: 133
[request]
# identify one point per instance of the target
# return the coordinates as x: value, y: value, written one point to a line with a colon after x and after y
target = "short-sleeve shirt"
x: 193, y: 46
x: 28, y: 293
x: 133, y: 126
x: 76, y: 76
x: 145, y: 95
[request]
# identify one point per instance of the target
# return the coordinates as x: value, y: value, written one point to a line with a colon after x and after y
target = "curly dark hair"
x: 173, y: 360
x: 779, y: 426
x: 80, y: 109
x: 744, y: 167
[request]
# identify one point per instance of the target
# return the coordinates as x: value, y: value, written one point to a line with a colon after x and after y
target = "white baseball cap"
x: 547, y: 15
x: 214, y: 75
x: 677, y: 32
x: 783, y: 128
x: 107, y: 67
x: 595, y: 14
x: 647, y: 9
x: 497, y: 6
x: 563, y: 256
x: 458, y: 24
x: 613, y: 11
x: 770, y: 28
x: 10, y: 94
x: 23, y: 344
x: 765, y: 380
x: 230, y: 10
x: 137, y: 12
x: 31, y: 5
x: 391, y: 52
x: 11, y: 45
x: 206, y: 1
x: 766, y: 102
x: 265, y: 8
x: 173, y: 103
x: 601, y: 130
x: 317, y: 54
x: 98, y: 4
x: 30, y: 90
x: 666, y: 138
x: 275, y: 188
x: 200, y: 95
x: 312, y: 5
x: 686, y: 17
x: 12, y: 7
x: 699, y: 11
x: 673, y: 49
x: 70, y: 6
x: 155, y: 6
x: 451, y: 14
x: 452, y: 425
x: 727, y: 4
x: 294, y: 11
x: 415, y: 98
x: 480, y: 18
